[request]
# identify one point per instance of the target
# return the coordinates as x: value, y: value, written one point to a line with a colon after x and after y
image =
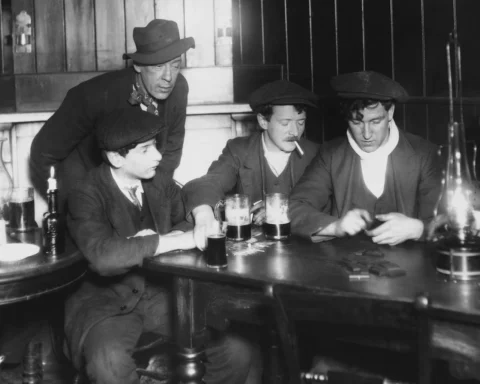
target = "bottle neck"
x: 52, y: 200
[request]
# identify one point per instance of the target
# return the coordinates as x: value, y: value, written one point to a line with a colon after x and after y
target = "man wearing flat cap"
x: 154, y: 84
x: 377, y: 179
x: 123, y: 212
x: 264, y: 162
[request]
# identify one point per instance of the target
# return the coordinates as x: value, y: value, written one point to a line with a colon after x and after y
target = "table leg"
x: 190, y: 327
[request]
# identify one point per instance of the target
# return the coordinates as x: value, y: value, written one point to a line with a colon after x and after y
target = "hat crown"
x: 282, y: 92
x: 156, y: 35
x: 368, y: 85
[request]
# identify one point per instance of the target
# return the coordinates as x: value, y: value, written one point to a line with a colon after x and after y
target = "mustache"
x: 293, y: 138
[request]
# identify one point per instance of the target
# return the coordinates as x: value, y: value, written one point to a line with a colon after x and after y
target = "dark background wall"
x: 404, y: 39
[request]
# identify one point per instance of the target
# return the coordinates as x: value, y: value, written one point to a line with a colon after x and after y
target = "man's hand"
x: 258, y: 211
x: 204, y: 220
x: 352, y: 223
x: 175, y: 240
x: 396, y: 229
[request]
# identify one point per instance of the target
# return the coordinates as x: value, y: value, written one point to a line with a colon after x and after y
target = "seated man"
x: 264, y: 162
x: 377, y: 178
x: 122, y: 212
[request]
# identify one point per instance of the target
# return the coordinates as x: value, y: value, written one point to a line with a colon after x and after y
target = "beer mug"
x: 277, y: 220
x: 237, y: 216
x: 21, y: 210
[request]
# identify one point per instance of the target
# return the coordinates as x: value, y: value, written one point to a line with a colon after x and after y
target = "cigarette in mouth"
x: 299, y: 149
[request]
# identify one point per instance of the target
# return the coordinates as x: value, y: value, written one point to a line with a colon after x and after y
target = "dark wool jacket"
x: 238, y: 170
x: 325, y: 191
x: 99, y: 223
x: 68, y: 136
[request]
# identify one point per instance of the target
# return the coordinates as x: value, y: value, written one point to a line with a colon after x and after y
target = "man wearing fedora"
x: 123, y: 212
x: 154, y: 84
x: 264, y: 162
x: 377, y: 179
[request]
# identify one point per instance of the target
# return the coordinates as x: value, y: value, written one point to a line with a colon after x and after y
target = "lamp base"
x: 460, y: 261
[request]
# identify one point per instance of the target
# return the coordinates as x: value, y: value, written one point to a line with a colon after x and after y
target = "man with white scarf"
x: 378, y: 179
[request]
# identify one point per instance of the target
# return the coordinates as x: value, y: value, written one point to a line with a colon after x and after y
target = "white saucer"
x: 17, y: 251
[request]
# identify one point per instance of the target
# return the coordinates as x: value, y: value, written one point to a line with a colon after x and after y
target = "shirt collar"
x: 276, y: 160
x: 122, y: 185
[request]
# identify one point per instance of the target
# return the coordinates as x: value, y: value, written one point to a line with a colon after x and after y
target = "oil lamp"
x: 455, y: 225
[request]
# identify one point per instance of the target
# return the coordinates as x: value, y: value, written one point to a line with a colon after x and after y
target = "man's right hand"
x: 204, y: 220
x: 354, y: 221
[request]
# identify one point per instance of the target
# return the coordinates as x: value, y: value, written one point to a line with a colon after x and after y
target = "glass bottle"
x: 6, y: 188
x: 53, y: 233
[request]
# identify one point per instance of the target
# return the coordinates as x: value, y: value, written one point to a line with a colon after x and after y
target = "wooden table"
x: 39, y: 274
x: 254, y: 271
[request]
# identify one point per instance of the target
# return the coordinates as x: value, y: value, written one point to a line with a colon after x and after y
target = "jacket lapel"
x: 404, y: 165
x: 156, y: 203
x: 345, y: 163
x: 117, y: 204
x: 249, y: 177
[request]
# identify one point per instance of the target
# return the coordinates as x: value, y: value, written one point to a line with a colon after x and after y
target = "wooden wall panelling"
x: 274, y: 32
x: 415, y: 119
x: 408, y: 52
x: 138, y: 13
x: 251, y: 16
x: 299, y: 52
x: 247, y: 78
x: 333, y: 123
x: 50, y: 33
x: 438, y: 25
x: 472, y: 123
x: 199, y: 23
x: 7, y: 94
x: 378, y: 43
x: 6, y: 51
x: 110, y: 36
x: 468, y: 12
x: 24, y: 62
x: 172, y: 10
x: 45, y: 92
x: 80, y: 35
x: 236, y: 33
x: 350, y: 45
x: 324, y: 45
x: 223, y: 32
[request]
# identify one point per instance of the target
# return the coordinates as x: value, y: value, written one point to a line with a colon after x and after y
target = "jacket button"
x: 123, y: 307
x: 135, y: 290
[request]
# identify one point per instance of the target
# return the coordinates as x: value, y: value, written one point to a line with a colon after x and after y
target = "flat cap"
x: 125, y: 126
x: 368, y: 85
x: 282, y: 92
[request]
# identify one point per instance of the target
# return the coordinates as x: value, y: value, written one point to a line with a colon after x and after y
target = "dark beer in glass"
x: 276, y: 231
x: 239, y: 232
x: 216, y: 253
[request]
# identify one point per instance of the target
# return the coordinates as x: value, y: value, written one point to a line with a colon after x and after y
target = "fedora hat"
x: 158, y: 43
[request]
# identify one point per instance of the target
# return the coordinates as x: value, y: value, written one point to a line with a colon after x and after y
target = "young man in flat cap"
x: 264, y: 162
x: 122, y: 212
x: 377, y: 179
x: 154, y: 84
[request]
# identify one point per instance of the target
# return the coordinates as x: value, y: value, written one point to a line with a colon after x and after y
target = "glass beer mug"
x: 277, y: 221
x: 237, y: 216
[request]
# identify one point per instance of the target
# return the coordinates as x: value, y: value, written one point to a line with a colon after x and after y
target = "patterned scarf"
x: 140, y: 96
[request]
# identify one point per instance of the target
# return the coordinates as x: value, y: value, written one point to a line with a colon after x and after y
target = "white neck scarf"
x: 374, y: 164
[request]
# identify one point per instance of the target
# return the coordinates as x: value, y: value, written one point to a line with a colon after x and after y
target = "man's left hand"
x: 396, y: 229
x: 258, y: 213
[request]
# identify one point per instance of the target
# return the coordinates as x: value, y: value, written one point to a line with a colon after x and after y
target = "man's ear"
x: 136, y: 67
x: 262, y: 121
x: 390, y: 112
x: 115, y: 159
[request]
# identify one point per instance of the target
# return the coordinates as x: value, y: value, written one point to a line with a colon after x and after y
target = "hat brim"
x: 366, y: 95
x: 293, y: 101
x: 163, y: 55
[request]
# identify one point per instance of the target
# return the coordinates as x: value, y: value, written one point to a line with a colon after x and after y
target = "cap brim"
x: 292, y: 101
x: 162, y: 56
x: 365, y: 95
